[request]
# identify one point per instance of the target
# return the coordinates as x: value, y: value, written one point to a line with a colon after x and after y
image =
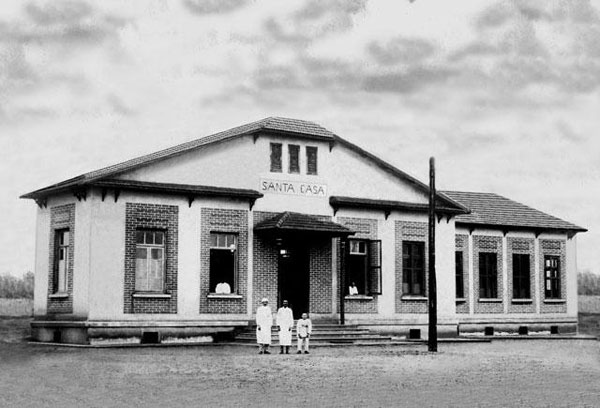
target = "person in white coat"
x: 303, y: 331
x: 285, y: 322
x: 264, y: 321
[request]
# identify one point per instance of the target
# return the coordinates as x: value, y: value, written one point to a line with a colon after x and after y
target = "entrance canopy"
x: 290, y: 222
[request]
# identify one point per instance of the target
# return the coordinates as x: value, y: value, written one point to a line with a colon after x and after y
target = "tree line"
x: 588, y: 284
x: 12, y: 287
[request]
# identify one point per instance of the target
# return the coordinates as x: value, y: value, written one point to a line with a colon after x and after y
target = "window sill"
x: 358, y: 297
x: 59, y: 295
x: 461, y: 300
x: 489, y: 300
x: 555, y: 301
x: 414, y: 297
x: 522, y: 301
x: 151, y: 295
x: 224, y: 296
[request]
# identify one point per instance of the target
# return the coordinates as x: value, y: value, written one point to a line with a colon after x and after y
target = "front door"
x: 294, y: 278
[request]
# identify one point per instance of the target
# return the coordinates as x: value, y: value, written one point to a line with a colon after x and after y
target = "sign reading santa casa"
x: 293, y: 188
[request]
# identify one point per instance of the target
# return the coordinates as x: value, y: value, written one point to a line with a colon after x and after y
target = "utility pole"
x: 432, y: 342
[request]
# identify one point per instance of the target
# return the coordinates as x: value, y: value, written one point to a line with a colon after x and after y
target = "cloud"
x: 62, y: 23
x: 405, y: 82
x: 204, y: 7
x: 401, y: 50
x: 118, y: 106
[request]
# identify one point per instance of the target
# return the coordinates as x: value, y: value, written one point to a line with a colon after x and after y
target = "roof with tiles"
x: 292, y: 221
x: 275, y: 124
x: 494, y: 210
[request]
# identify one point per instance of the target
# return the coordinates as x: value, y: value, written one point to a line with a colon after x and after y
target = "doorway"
x: 294, y: 278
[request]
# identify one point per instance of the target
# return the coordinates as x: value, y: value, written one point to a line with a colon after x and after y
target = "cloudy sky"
x: 505, y: 94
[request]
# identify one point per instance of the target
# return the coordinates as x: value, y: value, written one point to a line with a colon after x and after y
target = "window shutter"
x: 374, y: 278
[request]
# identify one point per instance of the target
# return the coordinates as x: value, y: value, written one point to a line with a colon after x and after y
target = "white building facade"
x: 186, y: 241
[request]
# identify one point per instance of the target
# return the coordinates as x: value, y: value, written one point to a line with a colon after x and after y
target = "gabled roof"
x: 493, y: 210
x: 294, y: 222
x: 277, y: 125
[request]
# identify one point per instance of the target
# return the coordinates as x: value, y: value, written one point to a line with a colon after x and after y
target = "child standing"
x: 303, y: 331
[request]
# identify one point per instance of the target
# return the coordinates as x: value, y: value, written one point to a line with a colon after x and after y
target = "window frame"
x: 459, y: 274
x: 312, y: 160
x: 488, y: 274
x: 293, y: 161
x: 552, y: 292
x: 521, y: 276
x: 414, y: 273
x: 276, y: 157
x: 233, y: 285
x: 149, y: 247
x: 355, y: 254
x: 61, y: 286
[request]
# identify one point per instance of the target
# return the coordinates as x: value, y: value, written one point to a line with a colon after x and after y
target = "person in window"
x: 303, y: 331
x: 285, y: 322
x: 264, y: 321
x: 353, y: 290
x: 223, y: 288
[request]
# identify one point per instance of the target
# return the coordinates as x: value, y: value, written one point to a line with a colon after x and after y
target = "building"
x: 186, y: 241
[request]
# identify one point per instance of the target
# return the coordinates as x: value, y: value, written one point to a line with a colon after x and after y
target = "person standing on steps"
x: 303, y: 331
x: 285, y: 322
x: 264, y: 321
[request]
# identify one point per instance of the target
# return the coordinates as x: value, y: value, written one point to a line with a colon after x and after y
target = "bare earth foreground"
x: 501, y: 373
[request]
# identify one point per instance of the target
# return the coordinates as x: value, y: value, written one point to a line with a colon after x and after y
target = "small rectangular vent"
x: 414, y: 334
x: 489, y: 331
x: 150, y: 337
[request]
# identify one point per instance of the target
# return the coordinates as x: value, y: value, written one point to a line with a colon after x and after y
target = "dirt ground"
x: 531, y: 373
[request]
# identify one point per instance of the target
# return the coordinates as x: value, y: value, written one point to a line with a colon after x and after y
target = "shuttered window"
x: 223, y: 263
x: 460, y: 281
x: 276, y: 157
x: 363, y: 266
x: 294, y: 158
x: 413, y: 268
x: 150, y: 261
x: 521, y: 280
x: 311, y: 160
x: 552, y: 276
x: 488, y: 275
x: 61, y: 260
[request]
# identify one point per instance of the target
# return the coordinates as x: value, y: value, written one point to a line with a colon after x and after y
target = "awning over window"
x: 291, y: 222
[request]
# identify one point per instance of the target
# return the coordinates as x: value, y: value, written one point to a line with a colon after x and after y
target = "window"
x: 413, y: 268
x: 521, y: 280
x: 61, y: 260
x: 552, y: 276
x: 488, y: 275
x: 294, y: 163
x: 460, y: 286
x: 276, y: 157
x: 363, y: 267
x: 311, y: 160
x: 223, y: 262
x: 149, y: 260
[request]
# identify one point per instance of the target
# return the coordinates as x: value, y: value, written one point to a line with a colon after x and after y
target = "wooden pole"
x: 432, y: 342
x: 342, y: 281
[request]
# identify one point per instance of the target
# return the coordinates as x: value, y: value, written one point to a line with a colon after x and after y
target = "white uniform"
x: 285, y: 321
x: 264, y: 321
x: 303, y: 330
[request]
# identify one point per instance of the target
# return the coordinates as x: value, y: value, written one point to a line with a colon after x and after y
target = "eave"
x: 387, y: 206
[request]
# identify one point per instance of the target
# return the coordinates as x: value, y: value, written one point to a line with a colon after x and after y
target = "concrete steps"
x: 322, y: 335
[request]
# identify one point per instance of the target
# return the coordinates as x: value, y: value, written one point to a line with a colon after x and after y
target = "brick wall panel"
x: 158, y: 217
x: 61, y: 217
x: 225, y: 221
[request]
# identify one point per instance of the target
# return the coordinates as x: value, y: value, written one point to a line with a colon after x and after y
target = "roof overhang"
x: 190, y: 191
x: 537, y: 230
x: 387, y: 206
x: 291, y: 223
